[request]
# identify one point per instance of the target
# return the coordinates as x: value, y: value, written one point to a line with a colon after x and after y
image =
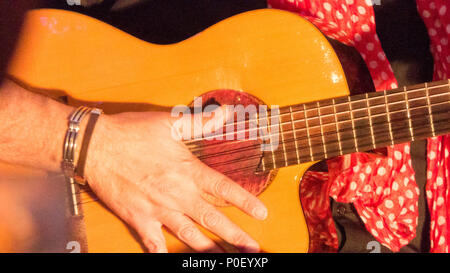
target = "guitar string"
x: 392, y: 93
x: 406, y: 108
x: 200, y: 147
x: 328, y: 133
x: 320, y: 145
x: 382, y: 140
x: 366, y: 147
x: 324, y: 116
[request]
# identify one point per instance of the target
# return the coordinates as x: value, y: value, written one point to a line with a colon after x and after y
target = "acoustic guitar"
x: 267, y: 57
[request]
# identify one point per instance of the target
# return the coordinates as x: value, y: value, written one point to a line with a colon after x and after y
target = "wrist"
x: 98, y: 147
x: 77, y: 142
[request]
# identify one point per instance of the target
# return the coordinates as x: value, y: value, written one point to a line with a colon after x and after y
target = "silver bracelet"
x: 70, y: 145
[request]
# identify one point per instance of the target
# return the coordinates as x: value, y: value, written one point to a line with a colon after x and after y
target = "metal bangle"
x: 70, y: 145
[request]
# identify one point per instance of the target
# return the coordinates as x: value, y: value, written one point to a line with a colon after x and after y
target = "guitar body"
x: 275, y: 56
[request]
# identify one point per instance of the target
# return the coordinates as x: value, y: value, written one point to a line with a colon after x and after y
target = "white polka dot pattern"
x: 435, y: 15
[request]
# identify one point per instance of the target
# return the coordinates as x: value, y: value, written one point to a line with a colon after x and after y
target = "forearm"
x: 32, y: 128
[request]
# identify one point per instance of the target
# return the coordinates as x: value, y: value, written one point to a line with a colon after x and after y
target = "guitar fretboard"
x: 328, y: 128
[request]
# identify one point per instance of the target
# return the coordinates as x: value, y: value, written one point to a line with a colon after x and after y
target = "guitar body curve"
x: 273, y: 55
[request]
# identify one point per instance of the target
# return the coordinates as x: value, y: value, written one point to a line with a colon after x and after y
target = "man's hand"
x: 133, y: 164
x: 150, y: 179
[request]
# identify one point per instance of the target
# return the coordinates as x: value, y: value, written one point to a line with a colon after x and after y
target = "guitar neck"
x: 333, y: 127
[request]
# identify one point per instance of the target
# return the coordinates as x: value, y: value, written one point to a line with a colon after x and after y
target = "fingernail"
x: 260, y: 213
x: 251, y: 248
x: 154, y: 248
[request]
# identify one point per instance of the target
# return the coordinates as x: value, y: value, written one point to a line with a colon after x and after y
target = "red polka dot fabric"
x: 436, y: 15
x: 316, y: 208
x: 382, y: 188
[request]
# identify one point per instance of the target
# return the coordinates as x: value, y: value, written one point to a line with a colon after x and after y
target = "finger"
x: 223, y: 187
x: 151, y: 235
x: 186, y: 230
x: 205, y: 124
x: 210, y: 122
x: 209, y: 217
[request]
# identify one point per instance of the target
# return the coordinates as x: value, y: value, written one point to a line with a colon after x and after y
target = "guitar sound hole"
x: 237, y: 158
